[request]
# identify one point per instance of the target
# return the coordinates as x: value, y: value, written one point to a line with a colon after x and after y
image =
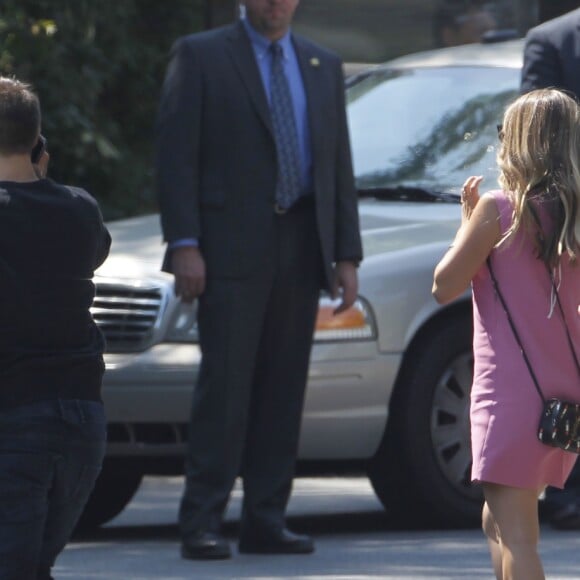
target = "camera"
x: 38, y: 149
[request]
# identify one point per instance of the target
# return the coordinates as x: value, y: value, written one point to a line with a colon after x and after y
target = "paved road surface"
x: 354, y: 541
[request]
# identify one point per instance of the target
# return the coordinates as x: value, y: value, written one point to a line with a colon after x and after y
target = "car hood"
x: 137, y: 248
x: 389, y: 227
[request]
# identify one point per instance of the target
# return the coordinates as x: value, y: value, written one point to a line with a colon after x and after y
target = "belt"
x: 305, y: 201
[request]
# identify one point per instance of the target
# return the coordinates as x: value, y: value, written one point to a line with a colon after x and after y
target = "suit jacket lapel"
x: 242, y: 54
x: 315, y: 90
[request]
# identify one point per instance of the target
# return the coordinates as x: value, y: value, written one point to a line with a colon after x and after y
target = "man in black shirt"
x: 52, y: 423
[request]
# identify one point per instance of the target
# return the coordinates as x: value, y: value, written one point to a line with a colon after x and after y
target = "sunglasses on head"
x: 499, y: 132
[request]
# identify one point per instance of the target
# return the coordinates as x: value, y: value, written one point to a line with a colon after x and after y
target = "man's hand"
x: 345, y: 277
x: 188, y: 268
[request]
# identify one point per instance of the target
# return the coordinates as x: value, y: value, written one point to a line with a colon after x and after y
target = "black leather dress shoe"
x: 205, y: 546
x: 269, y: 541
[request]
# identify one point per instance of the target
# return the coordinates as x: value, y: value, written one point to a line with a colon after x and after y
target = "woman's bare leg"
x: 493, y: 541
x: 514, y: 512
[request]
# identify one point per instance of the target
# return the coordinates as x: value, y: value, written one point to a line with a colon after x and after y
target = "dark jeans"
x: 50, y: 456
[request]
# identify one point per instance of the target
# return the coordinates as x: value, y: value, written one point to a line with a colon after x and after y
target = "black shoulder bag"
x: 560, y: 420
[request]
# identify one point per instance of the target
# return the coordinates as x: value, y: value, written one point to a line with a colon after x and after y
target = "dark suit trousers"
x: 256, y: 336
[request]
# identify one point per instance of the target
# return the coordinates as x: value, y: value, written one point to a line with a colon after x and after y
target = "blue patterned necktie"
x: 285, y: 133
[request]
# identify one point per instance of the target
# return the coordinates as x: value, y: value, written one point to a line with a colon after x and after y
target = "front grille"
x: 126, y: 314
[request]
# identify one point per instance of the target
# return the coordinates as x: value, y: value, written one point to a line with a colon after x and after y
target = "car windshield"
x: 427, y: 129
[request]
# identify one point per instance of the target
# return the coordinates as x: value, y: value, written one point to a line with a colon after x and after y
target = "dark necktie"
x: 285, y: 133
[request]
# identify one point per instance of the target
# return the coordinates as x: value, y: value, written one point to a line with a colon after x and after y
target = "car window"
x: 428, y: 128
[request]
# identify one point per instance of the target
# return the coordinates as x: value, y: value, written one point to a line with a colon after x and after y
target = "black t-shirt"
x: 52, y: 238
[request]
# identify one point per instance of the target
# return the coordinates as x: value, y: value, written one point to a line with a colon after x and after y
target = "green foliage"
x: 97, y: 66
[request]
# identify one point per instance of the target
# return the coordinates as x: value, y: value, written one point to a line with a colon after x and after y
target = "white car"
x: 388, y: 388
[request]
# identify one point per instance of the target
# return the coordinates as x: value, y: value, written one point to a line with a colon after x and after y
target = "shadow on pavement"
x: 319, y: 525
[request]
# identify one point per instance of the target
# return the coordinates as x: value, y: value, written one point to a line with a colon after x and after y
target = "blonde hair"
x: 539, y: 162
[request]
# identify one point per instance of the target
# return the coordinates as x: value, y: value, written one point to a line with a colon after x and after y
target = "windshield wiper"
x: 402, y: 193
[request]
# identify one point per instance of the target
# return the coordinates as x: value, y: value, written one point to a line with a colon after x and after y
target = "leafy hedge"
x: 97, y: 66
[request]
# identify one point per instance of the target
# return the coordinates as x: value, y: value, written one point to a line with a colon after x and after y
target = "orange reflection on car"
x: 327, y: 320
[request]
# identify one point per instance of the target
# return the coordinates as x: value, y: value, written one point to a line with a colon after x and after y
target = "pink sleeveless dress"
x: 505, y: 406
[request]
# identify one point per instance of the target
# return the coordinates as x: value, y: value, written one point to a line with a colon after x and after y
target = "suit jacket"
x: 216, y: 155
x: 552, y: 55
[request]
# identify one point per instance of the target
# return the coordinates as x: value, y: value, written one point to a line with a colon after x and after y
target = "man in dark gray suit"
x: 552, y: 59
x: 259, y: 210
x: 552, y: 55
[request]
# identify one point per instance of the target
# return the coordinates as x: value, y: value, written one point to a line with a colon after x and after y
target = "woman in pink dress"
x: 530, y: 230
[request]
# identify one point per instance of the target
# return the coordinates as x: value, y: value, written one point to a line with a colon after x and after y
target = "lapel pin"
x: 314, y: 61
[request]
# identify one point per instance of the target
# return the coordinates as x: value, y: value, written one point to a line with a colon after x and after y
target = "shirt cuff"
x: 183, y: 243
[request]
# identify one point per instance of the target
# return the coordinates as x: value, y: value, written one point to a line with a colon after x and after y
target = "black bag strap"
x: 570, y: 343
x: 513, y: 327
x: 515, y: 332
x: 534, y: 212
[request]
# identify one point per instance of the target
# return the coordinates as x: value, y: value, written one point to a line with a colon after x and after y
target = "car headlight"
x: 183, y: 326
x: 356, y: 323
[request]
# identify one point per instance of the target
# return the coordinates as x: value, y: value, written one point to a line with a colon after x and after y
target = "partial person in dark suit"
x: 552, y: 55
x: 552, y: 59
x: 259, y: 210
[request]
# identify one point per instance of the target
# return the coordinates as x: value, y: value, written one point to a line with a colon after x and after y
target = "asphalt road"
x: 354, y: 541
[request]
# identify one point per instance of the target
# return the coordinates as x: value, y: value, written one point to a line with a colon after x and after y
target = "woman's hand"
x: 476, y: 237
x: 469, y: 196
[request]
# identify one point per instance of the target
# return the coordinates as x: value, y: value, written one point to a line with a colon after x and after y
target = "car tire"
x: 421, y: 471
x: 114, y: 489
